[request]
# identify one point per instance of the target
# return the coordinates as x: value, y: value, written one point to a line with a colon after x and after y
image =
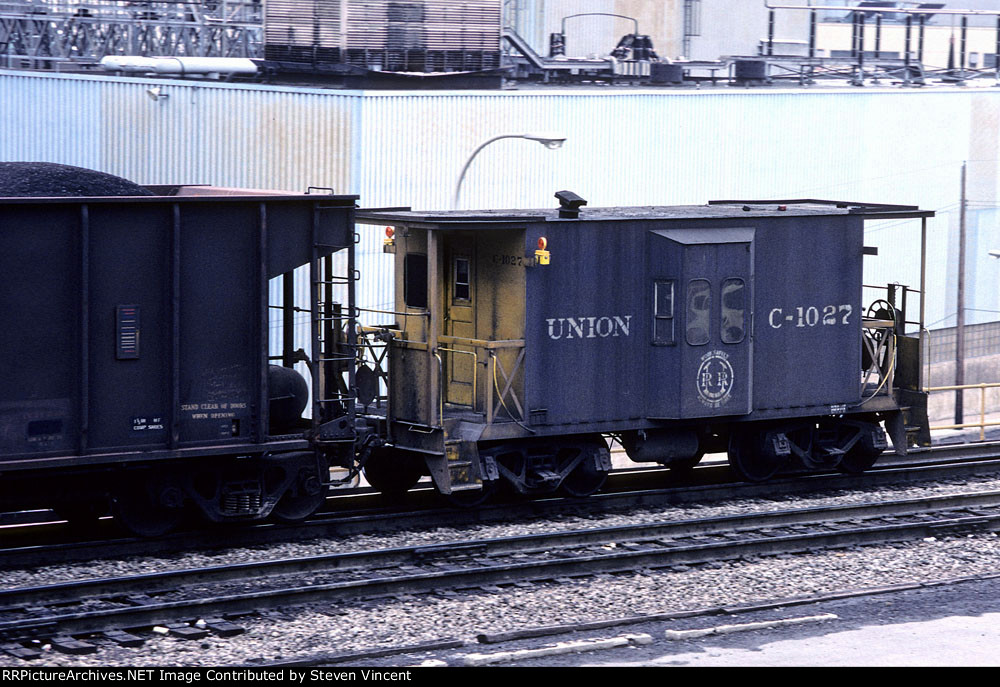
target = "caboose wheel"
x: 393, y: 472
x: 589, y: 476
x: 861, y: 456
x: 303, y: 498
x: 747, y: 457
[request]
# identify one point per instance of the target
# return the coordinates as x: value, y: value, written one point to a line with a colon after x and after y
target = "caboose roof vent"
x: 569, y: 204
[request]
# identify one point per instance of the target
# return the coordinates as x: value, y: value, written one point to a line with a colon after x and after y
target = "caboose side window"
x: 733, y: 306
x: 663, y: 313
x: 699, y: 308
x: 415, y: 280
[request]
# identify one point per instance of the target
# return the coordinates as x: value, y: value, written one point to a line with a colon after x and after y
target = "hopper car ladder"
x: 333, y: 338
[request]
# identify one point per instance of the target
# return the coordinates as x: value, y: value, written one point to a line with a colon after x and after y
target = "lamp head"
x: 549, y: 140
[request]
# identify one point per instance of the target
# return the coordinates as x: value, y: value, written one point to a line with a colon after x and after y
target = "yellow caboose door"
x: 460, y: 320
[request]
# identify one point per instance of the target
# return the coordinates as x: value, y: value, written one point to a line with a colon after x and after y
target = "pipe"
x: 180, y: 65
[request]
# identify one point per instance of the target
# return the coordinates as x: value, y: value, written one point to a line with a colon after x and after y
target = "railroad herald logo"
x: 589, y: 327
x: 715, y: 379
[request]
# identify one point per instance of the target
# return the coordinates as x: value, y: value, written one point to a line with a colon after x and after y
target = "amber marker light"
x: 390, y: 232
x: 543, y: 243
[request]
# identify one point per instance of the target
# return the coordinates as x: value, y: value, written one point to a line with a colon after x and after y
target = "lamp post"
x: 550, y: 141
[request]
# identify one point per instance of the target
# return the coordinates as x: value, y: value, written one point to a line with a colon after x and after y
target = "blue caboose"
x: 524, y: 340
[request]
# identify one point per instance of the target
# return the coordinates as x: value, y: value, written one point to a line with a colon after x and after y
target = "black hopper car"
x: 137, y: 374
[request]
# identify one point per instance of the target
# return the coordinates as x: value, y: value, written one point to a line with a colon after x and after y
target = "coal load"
x: 49, y: 180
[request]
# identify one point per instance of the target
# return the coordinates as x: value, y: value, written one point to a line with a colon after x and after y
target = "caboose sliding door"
x: 701, y: 296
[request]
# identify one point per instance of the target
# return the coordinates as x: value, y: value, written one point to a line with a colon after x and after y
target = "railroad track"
x: 31, y: 544
x: 177, y: 598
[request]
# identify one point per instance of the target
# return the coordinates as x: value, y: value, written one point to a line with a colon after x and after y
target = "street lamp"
x: 995, y: 253
x: 550, y: 141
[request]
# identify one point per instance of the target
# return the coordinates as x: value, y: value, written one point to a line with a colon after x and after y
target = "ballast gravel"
x: 366, y: 625
x: 439, y: 535
x: 384, y: 623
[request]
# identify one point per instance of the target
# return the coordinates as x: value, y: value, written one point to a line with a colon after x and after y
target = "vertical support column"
x: 962, y: 44
x: 352, y: 319
x: 920, y: 39
x: 84, y: 408
x: 315, y: 324
x: 812, y: 34
x: 960, y: 323
x: 434, y: 324
x: 923, y: 291
x: 260, y: 430
x: 996, y: 54
x: 878, y: 36
x: 906, y: 51
x: 175, y: 329
x: 854, y: 35
x: 770, y: 32
x: 288, y: 318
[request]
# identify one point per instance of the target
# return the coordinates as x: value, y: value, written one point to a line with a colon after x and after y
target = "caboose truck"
x: 135, y: 364
x: 523, y: 339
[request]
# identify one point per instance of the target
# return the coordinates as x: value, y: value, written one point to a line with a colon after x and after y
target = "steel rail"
x: 633, y: 488
x: 556, y: 555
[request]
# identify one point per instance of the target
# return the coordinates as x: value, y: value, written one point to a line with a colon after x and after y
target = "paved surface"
x: 957, y: 625
x: 950, y: 625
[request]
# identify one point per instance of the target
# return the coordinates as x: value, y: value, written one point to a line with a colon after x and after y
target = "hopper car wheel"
x: 140, y: 507
x: 747, y: 457
x: 81, y: 514
x: 303, y: 498
x: 587, y: 478
x: 393, y: 472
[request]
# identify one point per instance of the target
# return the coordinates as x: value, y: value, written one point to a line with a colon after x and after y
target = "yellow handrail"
x: 982, y: 424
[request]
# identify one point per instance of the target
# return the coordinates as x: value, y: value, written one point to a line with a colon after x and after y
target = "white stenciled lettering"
x: 552, y: 328
x: 770, y: 318
x: 574, y: 326
x: 810, y: 316
x: 589, y: 327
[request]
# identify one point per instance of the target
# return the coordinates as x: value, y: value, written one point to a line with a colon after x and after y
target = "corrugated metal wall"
x: 624, y: 146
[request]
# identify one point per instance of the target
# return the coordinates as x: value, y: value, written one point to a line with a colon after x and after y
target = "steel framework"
x: 48, y: 33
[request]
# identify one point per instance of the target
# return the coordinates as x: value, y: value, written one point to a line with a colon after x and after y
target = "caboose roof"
x: 718, y: 209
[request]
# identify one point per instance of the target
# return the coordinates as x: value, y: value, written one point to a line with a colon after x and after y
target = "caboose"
x: 524, y: 340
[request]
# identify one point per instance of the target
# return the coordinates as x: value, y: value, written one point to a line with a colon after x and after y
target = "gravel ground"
x: 132, y: 566
x: 407, y: 621
x: 410, y: 620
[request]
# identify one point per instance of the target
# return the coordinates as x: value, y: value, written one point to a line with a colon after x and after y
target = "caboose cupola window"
x: 699, y: 307
x: 733, y: 305
x: 663, y: 313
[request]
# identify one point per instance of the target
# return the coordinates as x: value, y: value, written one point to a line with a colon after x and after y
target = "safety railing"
x: 982, y: 424
x: 879, y: 347
x: 500, y: 392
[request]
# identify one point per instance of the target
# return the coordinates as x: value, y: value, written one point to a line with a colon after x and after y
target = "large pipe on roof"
x: 180, y: 65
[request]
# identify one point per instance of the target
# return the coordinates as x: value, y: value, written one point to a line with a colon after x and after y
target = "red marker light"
x: 390, y: 232
x: 542, y: 243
